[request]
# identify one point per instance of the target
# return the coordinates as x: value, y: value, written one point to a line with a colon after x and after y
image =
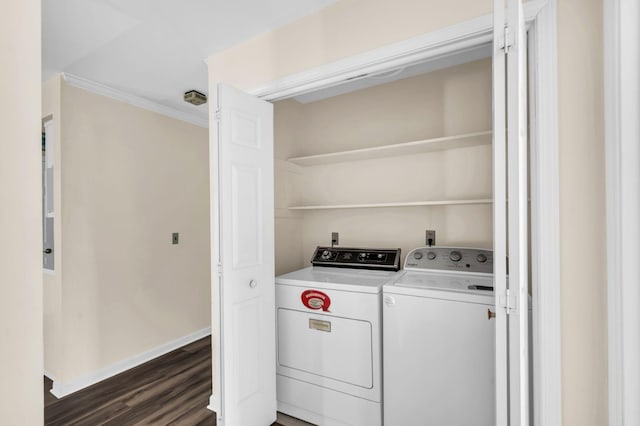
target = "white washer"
x: 439, y: 340
x: 329, y: 319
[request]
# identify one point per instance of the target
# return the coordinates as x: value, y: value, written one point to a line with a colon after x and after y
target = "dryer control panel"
x: 451, y: 259
x: 360, y: 258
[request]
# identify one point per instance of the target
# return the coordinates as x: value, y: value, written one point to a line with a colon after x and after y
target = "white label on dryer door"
x: 320, y: 325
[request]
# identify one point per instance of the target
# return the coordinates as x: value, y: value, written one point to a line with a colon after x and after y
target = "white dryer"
x: 439, y: 340
x: 329, y: 332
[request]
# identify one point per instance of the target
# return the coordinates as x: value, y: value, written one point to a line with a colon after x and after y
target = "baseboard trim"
x: 61, y: 390
x: 212, y: 404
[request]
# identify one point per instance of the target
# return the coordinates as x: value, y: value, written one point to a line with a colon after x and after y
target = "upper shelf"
x: 397, y: 204
x: 416, y: 147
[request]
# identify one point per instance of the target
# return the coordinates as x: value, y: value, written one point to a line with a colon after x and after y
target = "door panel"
x: 510, y: 219
x: 246, y: 333
x: 500, y: 212
x: 517, y: 217
x: 244, y: 391
x: 246, y: 217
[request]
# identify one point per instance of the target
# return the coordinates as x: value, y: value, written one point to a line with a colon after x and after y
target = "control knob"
x: 431, y: 255
x: 326, y: 255
x: 362, y: 257
x: 481, y: 258
x: 455, y: 256
x: 417, y: 255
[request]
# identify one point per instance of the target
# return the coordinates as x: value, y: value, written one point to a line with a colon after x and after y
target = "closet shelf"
x: 404, y: 204
x: 407, y: 148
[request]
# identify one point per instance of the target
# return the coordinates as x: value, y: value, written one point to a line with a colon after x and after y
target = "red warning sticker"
x: 314, y: 299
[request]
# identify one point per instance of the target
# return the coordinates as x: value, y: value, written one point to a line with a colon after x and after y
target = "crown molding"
x: 137, y: 101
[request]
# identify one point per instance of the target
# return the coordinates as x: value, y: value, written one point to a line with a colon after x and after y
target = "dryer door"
x: 329, y: 351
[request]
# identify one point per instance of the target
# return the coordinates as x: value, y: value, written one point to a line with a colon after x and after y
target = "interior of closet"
x: 385, y: 158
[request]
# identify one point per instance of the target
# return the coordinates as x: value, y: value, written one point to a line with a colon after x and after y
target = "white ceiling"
x: 155, y: 49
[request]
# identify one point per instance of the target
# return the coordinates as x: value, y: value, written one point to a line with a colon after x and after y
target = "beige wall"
x: 582, y: 212
x: 289, y: 246
x: 130, y: 178
x: 442, y: 103
x: 20, y: 216
x: 343, y: 29
x: 354, y: 26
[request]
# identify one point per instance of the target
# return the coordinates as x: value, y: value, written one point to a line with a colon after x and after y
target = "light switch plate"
x: 430, y: 238
x: 175, y: 238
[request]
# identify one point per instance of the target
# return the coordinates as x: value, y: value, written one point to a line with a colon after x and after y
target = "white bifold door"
x: 243, y: 291
x: 510, y: 214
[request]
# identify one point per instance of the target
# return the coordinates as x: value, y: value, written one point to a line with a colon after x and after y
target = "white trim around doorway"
x: 440, y: 43
x: 622, y: 132
x: 545, y: 218
x: 540, y: 16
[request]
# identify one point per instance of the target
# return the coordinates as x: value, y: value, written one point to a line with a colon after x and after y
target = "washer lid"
x: 359, y: 280
x: 412, y: 282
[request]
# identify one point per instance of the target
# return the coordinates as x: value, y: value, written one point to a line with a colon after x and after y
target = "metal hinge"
x: 217, y: 115
x: 509, y: 302
x: 507, y: 41
x: 219, y: 269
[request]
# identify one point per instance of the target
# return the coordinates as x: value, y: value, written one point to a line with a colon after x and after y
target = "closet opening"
x: 383, y: 157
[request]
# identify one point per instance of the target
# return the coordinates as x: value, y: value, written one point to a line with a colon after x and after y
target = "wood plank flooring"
x: 173, y: 389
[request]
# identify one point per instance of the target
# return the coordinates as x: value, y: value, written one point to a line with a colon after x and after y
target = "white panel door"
x: 510, y: 219
x: 517, y: 224
x: 499, y: 212
x: 48, y: 255
x: 244, y: 391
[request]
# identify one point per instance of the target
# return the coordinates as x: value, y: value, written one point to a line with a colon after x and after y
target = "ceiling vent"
x: 194, y: 97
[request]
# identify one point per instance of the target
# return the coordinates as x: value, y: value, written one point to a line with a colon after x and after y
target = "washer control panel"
x: 377, y: 259
x: 453, y: 259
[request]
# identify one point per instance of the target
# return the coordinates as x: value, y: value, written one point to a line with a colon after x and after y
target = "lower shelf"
x: 405, y: 204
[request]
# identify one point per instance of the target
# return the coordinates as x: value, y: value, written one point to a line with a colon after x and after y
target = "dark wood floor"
x: 173, y: 389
